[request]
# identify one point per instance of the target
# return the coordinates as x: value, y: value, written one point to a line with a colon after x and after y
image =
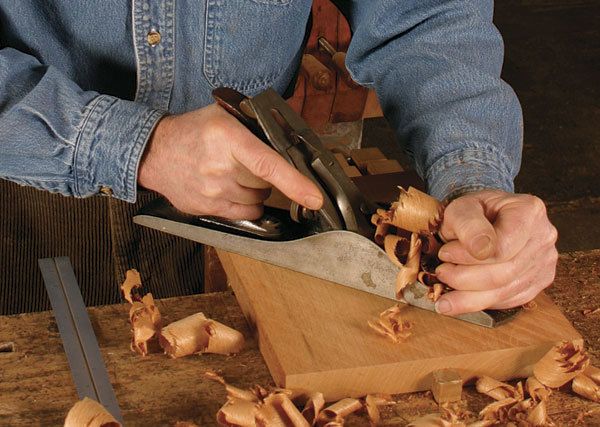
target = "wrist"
x: 150, y: 169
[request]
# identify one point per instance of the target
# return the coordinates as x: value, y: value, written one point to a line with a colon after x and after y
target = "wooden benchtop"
x: 36, y: 386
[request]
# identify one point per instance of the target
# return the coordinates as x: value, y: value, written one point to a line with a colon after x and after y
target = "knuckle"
x: 552, y: 234
x: 537, y: 204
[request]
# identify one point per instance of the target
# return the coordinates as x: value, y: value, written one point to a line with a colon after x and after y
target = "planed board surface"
x: 314, y: 335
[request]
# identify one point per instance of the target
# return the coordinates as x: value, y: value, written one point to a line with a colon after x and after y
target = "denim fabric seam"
x: 136, y: 151
x: 212, y: 53
x: 85, y: 136
x: 142, y: 83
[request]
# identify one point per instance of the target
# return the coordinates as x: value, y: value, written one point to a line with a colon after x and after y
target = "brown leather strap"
x: 97, y: 234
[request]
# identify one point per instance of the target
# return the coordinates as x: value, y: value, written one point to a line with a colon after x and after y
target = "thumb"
x: 465, y: 221
x: 266, y: 164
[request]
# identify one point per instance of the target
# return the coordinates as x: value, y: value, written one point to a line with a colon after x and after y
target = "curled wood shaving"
x: 397, y: 249
x: 335, y: 413
x: 131, y: 286
x: 198, y: 334
x: 238, y: 412
x: 435, y: 292
x: 450, y: 416
x: 589, y: 311
x: 409, y: 271
x: 536, y: 389
x: 498, y: 411
x: 391, y: 325
x: 313, y: 407
x: 278, y: 410
x: 416, y: 211
x: 145, y: 321
x: 561, y: 364
x: 381, y: 228
x: 372, y: 409
x: 586, y: 387
x: 498, y: 390
x: 593, y: 372
x: 89, y: 413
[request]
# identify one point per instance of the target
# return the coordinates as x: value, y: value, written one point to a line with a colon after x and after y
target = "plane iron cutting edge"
x: 332, y: 243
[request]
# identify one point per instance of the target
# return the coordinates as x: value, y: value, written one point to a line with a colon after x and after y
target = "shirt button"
x: 106, y: 191
x: 153, y: 38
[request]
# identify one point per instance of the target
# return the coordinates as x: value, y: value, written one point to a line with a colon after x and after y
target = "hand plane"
x: 334, y: 243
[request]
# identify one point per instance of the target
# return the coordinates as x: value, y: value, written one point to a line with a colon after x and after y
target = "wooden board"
x: 36, y: 387
x: 314, y: 335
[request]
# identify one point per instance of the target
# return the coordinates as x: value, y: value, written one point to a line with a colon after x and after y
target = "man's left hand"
x: 500, y: 253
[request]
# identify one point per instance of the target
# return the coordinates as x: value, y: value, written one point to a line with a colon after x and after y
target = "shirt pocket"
x: 248, y: 44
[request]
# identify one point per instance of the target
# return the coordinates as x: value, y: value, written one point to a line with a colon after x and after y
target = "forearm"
x: 436, y: 68
x: 57, y: 137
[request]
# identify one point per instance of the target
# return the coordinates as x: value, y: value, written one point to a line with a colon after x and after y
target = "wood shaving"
x: 391, y: 325
x: 497, y: 411
x: 498, y: 390
x: 586, y: 387
x: 449, y: 417
x: 313, y: 407
x: 198, y: 334
x: 131, y: 286
x: 145, y: 321
x: 435, y: 292
x: 409, y: 272
x: 589, y: 311
x: 381, y: 227
x: 338, y: 411
x: 89, y: 413
x: 238, y: 412
x: 419, y: 214
x: 416, y: 211
x: 278, y: 410
x: 397, y: 249
x: 593, y: 372
x: 561, y: 364
x: 531, y: 305
x: 275, y: 407
x: 372, y: 410
x: 536, y: 390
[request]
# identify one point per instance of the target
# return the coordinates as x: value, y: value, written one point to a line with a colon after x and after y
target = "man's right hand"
x: 207, y: 163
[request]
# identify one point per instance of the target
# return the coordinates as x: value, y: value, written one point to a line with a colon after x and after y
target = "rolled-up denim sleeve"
x: 57, y: 137
x: 435, y: 65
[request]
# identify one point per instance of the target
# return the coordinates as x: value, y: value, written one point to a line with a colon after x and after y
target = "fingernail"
x: 482, y: 246
x: 313, y: 202
x: 445, y: 256
x: 443, y: 306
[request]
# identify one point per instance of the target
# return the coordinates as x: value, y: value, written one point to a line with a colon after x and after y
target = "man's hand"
x: 500, y: 253
x: 206, y: 162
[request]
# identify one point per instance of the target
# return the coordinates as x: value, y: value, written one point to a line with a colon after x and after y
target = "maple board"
x: 314, y: 335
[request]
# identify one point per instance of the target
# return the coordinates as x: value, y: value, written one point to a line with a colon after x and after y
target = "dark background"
x: 552, y: 61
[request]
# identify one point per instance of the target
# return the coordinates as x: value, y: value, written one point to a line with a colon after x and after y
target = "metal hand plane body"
x: 333, y: 243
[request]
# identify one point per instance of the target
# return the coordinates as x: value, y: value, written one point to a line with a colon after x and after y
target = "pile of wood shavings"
x: 390, y: 324
x: 193, y: 334
x: 565, y: 362
x: 420, y: 215
x: 258, y: 406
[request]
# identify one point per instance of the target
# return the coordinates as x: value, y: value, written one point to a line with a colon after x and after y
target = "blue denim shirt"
x: 81, y: 87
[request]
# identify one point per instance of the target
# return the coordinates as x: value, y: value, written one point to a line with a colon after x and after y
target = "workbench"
x: 36, y: 386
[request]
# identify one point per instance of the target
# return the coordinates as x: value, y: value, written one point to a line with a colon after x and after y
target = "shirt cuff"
x: 110, y: 145
x: 467, y: 170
